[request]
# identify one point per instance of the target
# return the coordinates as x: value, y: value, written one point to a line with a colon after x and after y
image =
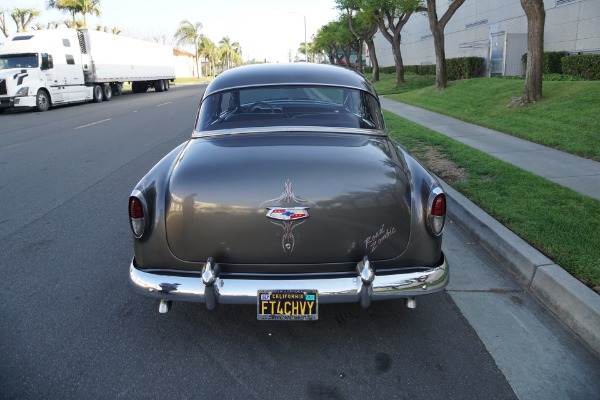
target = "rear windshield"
x: 322, y: 106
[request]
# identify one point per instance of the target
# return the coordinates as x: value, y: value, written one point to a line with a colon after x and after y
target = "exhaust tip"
x: 164, y: 306
x: 411, y: 302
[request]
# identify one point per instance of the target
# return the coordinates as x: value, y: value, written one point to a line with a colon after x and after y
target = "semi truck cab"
x: 59, y: 66
x: 41, y: 70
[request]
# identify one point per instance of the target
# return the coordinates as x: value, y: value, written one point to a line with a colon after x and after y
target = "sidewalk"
x: 575, y: 304
x: 580, y: 174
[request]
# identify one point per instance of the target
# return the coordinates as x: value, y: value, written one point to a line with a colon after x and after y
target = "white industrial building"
x: 497, y: 31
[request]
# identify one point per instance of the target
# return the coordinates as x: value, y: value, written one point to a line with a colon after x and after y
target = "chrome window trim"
x: 289, y: 129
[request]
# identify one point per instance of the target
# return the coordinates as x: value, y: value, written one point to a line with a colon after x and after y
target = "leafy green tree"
x: 391, y: 16
x: 189, y: 33
x: 325, y: 41
x: 337, y: 41
x: 437, y: 26
x: 363, y: 25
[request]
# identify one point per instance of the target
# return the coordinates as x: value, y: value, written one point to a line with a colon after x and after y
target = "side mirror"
x: 47, y: 62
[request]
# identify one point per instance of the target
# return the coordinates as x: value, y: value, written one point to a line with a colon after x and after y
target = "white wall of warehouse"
x: 571, y: 25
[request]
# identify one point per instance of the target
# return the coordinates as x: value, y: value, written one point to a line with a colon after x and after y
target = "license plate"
x: 288, y: 305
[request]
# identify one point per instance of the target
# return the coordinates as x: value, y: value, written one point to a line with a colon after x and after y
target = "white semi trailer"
x: 60, y: 66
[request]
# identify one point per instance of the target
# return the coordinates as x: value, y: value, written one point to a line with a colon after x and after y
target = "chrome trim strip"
x: 287, y: 128
x: 244, y: 291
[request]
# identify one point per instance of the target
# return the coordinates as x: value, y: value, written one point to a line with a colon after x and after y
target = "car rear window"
x: 315, y: 106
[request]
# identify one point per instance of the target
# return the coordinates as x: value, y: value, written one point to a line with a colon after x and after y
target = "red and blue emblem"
x: 287, y: 213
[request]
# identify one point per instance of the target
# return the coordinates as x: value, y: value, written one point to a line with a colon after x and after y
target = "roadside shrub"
x: 586, y: 66
x: 464, y: 67
x: 552, y: 62
x: 562, y: 77
x: 456, y: 68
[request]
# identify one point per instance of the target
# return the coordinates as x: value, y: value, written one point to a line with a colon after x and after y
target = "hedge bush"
x: 456, y: 68
x: 586, y: 66
x: 552, y: 61
x: 464, y: 67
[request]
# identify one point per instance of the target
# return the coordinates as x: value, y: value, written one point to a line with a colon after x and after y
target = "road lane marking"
x: 93, y: 123
x: 168, y: 102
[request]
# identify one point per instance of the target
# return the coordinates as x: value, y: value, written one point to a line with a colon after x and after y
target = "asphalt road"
x: 70, y: 328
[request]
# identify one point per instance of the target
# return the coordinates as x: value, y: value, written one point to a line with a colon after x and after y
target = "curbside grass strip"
x: 571, y: 301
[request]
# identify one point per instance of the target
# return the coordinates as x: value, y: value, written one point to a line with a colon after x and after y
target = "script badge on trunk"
x: 287, y: 213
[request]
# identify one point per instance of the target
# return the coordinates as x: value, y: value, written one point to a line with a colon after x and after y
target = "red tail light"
x: 136, y: 210
x: 136, y: 216
x: 438, y: 208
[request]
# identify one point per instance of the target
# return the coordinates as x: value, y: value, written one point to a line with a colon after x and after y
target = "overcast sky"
x: 266, y: 29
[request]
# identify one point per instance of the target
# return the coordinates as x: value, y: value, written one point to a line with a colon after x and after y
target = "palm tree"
x: 23, y: 17
x: 236, y: 55
x: 208, y: 50
x: 77, y: 6
x: 225, y: 50
x: 189, y: 33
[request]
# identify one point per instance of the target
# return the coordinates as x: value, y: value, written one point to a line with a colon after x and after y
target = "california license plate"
x: 288, y: 305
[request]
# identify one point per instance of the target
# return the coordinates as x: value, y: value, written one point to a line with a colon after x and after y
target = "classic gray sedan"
x: 289, y: 195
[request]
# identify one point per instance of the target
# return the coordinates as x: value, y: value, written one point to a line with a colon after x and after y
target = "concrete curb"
x: 575, y: 304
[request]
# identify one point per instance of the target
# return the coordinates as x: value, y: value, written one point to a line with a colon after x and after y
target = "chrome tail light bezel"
x: 436, y: 221
x: 139, y: 226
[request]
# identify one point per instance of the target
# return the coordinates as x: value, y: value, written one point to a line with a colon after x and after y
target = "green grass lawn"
x: 559, y: 222
x: 567, y: 118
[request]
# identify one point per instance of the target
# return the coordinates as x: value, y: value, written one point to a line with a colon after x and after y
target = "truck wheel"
x: 107, y: 92
x: 97, y: 93
x: 42, y: 101
x: 159, y: 85
x: 167, y: 85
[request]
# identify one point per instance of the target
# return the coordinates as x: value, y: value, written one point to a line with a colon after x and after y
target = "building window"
x: 70, y: 60
x: 565, y: 2
x: 476, y: 24
x: 66, y: 43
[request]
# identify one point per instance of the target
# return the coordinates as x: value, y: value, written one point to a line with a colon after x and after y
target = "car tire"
x: 42, y: 101
x: 98, y: 93
x: 107, y: 92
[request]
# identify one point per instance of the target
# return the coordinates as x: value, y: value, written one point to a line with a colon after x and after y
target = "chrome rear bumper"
x: 363, y: 288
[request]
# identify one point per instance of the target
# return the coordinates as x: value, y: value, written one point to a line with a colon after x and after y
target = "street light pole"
x: 305, y: 42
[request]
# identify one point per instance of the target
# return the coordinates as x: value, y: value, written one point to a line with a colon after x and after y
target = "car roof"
x: 289, y: 74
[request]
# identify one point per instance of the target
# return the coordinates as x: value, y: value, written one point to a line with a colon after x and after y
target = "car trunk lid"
x: 288, y: 198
